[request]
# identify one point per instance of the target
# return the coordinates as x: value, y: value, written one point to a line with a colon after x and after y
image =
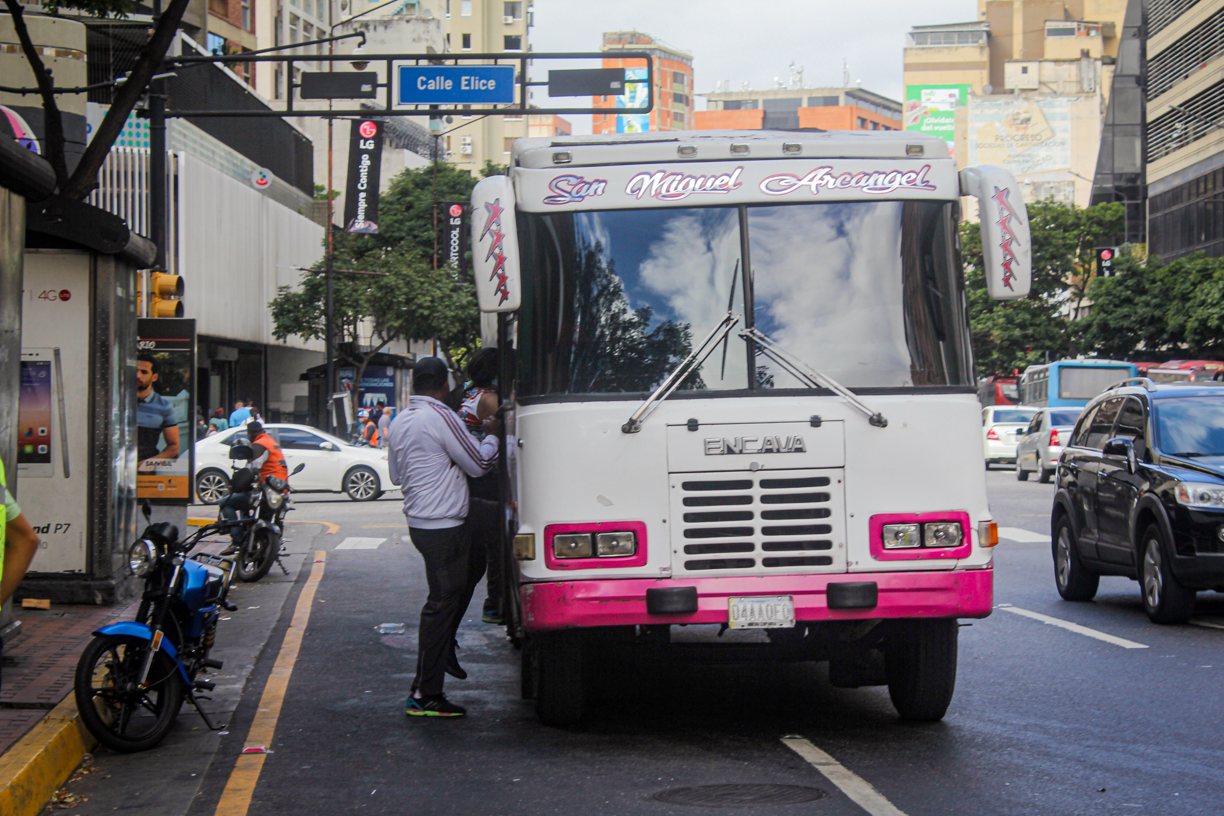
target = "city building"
x: 823, y: 108
x: 673, y: 86
x: 485, y: 27
x: 1185, y: 144
x: 548, y: 124
x: 1026, y: 86
x: 231, y: 30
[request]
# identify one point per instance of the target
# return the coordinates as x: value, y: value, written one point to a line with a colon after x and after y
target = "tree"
x: 1014, y: 334
x: 85, y: 177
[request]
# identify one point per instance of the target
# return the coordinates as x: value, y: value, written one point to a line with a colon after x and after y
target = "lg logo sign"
x: 368, y: 130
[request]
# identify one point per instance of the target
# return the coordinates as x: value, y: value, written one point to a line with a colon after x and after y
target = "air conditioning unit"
x: 508, y: 20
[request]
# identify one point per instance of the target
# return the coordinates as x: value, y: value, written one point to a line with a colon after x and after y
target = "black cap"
x: 431, y: 368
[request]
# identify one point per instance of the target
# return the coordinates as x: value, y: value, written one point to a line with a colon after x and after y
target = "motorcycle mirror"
x: 147, y: 510
x: 298, y: 469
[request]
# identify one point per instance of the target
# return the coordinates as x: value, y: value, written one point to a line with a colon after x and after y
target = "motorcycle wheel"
x: 121, y: 716
x: 257, y: 554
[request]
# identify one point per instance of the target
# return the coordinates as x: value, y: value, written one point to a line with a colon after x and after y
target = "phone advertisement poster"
x: 165, y: 405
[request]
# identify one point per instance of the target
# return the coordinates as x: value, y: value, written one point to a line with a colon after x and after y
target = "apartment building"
x: 790, y: 108
x: 673, y: 86
x: 1185, y: 144
x: 485, y: 26
x: 1026, y: 86
x: 548, y: 124
x: 231, y: 30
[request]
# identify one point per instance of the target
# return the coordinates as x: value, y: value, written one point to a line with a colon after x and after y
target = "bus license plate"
x: 776, y: 612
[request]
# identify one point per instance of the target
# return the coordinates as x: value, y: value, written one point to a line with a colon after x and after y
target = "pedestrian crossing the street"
x: 358, y: 543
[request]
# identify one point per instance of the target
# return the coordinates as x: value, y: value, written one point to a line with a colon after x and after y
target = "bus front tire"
x: 557, y: 675
x: 920, y: 663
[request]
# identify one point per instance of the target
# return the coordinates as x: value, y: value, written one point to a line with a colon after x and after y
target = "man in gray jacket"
x: 430, y: 452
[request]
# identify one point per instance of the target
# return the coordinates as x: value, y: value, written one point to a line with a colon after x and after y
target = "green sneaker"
x: 435, y: 705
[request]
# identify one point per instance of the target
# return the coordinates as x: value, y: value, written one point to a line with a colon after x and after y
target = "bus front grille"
x: 764, y: 522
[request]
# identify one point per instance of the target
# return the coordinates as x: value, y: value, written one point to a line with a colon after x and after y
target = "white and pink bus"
x: 742, y: 394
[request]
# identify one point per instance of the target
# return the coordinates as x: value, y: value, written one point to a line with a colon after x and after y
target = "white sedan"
x: 332, y: 465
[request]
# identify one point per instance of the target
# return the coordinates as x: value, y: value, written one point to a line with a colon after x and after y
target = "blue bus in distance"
x: 1071, y: 383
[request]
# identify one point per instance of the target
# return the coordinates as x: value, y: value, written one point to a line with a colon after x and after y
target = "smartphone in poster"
x: 165, y: 404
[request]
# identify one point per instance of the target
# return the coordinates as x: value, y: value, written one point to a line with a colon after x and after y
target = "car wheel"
x: 1043, y: 473
x: 212, y: 486
x: 1071, y: 577
x: 1164, y: 599
x: 361, y: 484
x: 1021, y: 473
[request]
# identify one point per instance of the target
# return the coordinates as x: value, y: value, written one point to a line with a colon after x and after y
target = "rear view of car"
x: 1002, y: 427
x: 1042, y: 442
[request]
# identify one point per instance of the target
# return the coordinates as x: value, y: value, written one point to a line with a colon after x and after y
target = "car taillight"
x: 1054, y: 437
x: 991, y: 434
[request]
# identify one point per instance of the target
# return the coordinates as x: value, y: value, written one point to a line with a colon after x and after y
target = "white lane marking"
x: 354, y: 543
x: 1074, y: 627
x: 854, y: 786
x: 1023, y: 536
x: 1206, y: 624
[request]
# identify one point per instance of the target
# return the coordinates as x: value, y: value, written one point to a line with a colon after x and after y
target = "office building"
x: 1027, y: 86
x: 1185, y: 145
x: 791, y: 108
x: 672, y: 80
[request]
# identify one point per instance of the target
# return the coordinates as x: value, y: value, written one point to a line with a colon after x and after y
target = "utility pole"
x: 157, y: 160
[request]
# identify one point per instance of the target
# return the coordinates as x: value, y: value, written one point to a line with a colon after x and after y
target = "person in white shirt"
x: 430, y: 455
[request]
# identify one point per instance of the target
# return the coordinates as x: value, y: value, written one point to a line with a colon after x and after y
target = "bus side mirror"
x: 1006, y: 248
x: 495, y: 257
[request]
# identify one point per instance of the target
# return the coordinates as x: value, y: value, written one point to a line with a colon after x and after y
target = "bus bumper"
x: 622, y: 602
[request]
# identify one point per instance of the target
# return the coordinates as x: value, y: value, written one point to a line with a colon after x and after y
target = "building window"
x: 465, y: 8
x: 246, y: 15
x: 218, y: 7
x: 513, y: 10
x: 513, y: 42
x: 509, y: 141
x: 741, y: 104
x: 216, y: 45
x: 467, y: 42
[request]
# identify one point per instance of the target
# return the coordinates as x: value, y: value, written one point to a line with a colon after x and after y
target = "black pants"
x: 454, y: 565
x: 484, y: 513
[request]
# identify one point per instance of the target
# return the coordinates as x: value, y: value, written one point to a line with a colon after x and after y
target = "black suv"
x: 1141, y: 494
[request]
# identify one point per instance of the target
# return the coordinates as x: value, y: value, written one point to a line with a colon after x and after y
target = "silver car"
x: 1042, y: 442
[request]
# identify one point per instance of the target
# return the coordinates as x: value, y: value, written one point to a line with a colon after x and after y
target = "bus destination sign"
x: 454, y: 85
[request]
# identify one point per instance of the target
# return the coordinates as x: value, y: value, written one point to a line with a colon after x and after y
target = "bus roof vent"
x: 688, y: 151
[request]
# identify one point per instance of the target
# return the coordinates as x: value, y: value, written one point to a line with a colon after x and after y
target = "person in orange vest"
x: 268, y: 458
x: 369, y: 431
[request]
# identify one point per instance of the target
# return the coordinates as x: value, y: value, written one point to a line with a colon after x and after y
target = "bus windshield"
x: 869, y: 293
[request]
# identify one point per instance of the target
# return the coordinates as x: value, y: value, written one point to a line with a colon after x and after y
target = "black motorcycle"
x: 261, y: 543
x: 133, y: 676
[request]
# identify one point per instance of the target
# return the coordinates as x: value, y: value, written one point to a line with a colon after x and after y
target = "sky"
x: 755, y: 41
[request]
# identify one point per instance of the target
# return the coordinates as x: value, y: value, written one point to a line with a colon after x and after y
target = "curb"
x: 43, y: 760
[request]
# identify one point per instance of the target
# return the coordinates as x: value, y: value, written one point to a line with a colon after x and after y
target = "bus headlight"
x: 901, y: 536
x: 615, y: 544
x: 942, y: 534
x: 572, y: 545
x: 142, y: 557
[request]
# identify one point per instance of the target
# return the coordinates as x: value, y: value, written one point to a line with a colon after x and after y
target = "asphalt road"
x: 1046, y: 719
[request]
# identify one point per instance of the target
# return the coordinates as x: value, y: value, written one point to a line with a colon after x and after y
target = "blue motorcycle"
x: 133, y: 677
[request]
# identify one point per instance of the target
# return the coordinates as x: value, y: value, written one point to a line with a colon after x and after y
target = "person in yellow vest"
x: 18, y: 543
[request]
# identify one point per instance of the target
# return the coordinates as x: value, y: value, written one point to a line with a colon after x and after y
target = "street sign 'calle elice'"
x: 454, y: 85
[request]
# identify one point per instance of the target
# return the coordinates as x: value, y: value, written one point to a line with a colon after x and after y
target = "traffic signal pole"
x: 157, y: 162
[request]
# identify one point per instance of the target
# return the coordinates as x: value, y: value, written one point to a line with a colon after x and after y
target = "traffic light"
x: 1105, y: 261
x: 165, y: 291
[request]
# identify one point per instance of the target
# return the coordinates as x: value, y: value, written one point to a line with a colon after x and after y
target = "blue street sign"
x: 455, y: 84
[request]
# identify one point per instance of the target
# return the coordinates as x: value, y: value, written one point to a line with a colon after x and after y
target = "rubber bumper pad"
x: 854, y: 595
x: 671, y: 600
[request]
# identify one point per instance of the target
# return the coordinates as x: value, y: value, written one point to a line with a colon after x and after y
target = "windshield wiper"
x: 692, y: 362
x: 1192, y: 454
x: 810, y: 375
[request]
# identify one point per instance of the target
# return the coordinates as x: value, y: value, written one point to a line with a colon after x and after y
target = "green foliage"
x: 1015, y: 334
x: 1157, y: 312
x: 491, y: 169
x: 94, y: 8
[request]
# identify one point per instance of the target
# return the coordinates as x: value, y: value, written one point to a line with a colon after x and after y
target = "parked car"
x: 1001, y: 429
x: 332, y: 465
x: 1141, y: 494
x: 1042, y: 442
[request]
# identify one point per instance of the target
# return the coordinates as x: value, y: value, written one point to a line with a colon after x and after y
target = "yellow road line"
x: 332, y: 529
x: 236, y: 798
x: 32, y: 770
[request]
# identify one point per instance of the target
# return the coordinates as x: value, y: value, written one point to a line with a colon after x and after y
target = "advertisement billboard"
x: 364, y: 172
x: 377, y: 385
x: 636, y: 95
x: 931, y: 109
x: 165, y: 408
x: 1025, y: 134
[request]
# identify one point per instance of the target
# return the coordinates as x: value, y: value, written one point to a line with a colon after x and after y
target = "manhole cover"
x: 739, y: 795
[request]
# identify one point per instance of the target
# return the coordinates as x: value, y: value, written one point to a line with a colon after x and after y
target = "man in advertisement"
x: 155, y: 418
